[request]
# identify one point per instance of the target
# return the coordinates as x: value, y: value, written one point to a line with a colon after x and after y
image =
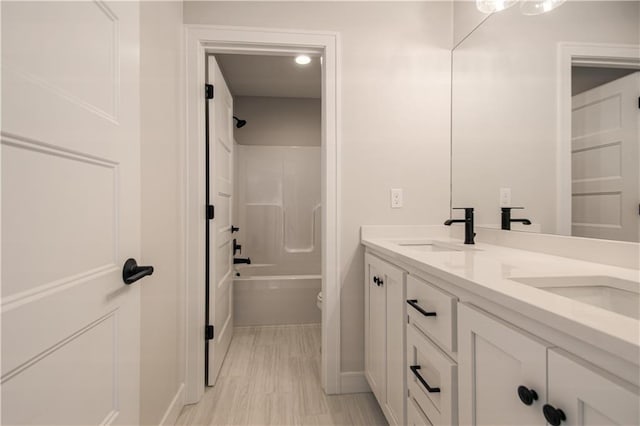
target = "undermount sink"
x: 426, y: 247
x: 610, y: 293
x: 434, y: 246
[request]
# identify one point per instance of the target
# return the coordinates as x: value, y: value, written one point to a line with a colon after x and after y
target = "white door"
x: 588, y: 397
x: 494, y: 361
x: 604, y: 161
x: 220, y: 240
x: 70, y: 213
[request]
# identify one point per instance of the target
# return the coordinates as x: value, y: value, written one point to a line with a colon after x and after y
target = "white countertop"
x: 486, y: 271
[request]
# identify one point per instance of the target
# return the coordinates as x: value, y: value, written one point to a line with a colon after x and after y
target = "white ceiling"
x: 272, y: 76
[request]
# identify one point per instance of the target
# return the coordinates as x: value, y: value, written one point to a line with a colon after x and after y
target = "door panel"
x: 395, y: 344
x: 70, y: 212
x: 494, y: 360
x: 375, y: 339
x: 604, y: 161
x: 221, y: 194
x: 590, y: 397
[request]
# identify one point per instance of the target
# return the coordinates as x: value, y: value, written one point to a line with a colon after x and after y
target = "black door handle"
x: 414, y: 305
x: 414, y: 369
x: 131, y: 272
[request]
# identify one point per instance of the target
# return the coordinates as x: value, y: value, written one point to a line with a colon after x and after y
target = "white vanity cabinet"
x: 501, y: 367
x: 588, y: 396
x: 385, y: 318
x: 495, y: 359
x: 439, y: 353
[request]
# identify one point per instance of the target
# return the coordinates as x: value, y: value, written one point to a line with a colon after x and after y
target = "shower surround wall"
x: 279, y: 214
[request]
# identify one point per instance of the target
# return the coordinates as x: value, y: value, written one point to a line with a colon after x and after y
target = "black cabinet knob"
x: 375, y: 280
x: 553, y: 415
x: 380, y: 282
x: 527, y: 396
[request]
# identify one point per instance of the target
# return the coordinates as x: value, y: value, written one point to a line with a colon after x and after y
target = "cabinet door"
x: 588, y: 396
x: 393, y: 281
x: 494, y: 360
x: 375, y: 333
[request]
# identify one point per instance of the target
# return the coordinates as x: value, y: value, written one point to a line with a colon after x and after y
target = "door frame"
x: 199, y: 41
x: 585, y: 54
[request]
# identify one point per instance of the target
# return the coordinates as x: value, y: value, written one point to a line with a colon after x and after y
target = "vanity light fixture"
x: 538, y: 7
x: 303, y: 60
x: 491, y: 6
x: 527, y: 7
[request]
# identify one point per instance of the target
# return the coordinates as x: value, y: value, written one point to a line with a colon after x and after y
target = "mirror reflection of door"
x: 605, y: 153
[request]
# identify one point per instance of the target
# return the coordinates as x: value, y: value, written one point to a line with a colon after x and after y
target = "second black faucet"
x: 469, y: 233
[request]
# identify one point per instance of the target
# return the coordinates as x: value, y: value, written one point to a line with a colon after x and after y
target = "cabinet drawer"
x: 433, y: 311
x: 415, y: 416
x: 425, y: 361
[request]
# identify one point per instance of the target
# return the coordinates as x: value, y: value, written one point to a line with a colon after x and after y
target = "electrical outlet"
x: 505, y: 197
x: 396, y: 198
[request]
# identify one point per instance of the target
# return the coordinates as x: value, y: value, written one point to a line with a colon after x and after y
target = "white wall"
x: 162, y: 350
x: 394, y: 112
x: 278, y: 121
x: 504, y: 103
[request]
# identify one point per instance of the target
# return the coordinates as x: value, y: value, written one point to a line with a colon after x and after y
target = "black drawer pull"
x: 414, y: 369
x: 414, y: 304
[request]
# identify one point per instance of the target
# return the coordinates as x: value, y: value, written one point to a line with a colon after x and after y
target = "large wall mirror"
x: 545, y: 112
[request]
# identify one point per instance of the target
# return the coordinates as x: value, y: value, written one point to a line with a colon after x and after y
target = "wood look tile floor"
x: 271, y: 376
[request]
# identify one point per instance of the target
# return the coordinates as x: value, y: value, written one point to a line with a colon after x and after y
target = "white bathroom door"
x: 604, y: 161
x: 70, y: 213
x: 220, y: 240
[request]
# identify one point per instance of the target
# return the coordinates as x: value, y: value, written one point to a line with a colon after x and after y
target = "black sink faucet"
x: 469, y: 234
x: 506, y: 218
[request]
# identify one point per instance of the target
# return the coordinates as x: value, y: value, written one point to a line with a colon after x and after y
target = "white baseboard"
x: 353, y: 382
x: 173, y: 411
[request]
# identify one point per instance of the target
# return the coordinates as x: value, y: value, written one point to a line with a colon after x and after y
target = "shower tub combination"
x: 279, y: 216
x: 261, y: 298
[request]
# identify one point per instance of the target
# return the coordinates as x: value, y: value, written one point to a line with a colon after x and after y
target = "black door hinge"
x: 208, y: 91
x: 208, y: 334
x: 211, y: 212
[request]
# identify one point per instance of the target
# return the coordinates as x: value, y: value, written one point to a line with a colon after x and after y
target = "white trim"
x: 567, y: 54
x: 175, y: 406
x: 200, y: 39
x: 354, y: 382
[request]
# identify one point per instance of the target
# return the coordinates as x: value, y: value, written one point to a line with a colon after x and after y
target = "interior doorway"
x: 204, y: 41
x: 264, y: 252
x: 590, y: 178
x: 605, y: 153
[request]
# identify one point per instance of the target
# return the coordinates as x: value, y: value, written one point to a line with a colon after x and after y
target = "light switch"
x: 505, y: 197
x: 396, y: 198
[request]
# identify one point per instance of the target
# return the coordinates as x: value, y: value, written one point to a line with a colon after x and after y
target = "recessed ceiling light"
x: 303, y: 60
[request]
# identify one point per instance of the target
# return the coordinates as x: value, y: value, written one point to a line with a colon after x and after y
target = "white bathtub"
x: 274, y: 299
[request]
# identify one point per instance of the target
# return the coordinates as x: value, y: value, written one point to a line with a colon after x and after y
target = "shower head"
x: 239, y: 123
